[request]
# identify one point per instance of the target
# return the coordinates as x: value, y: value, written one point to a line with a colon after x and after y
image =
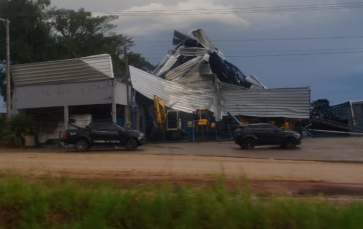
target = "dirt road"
x: 265, y: 174
x: 170, y: 166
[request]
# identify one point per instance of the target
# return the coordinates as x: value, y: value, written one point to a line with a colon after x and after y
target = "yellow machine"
x: 203, y: 118
x: 170, y: 120
x: 159, y: 111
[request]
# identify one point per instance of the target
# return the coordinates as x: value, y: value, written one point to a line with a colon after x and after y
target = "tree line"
x: 40, y: 32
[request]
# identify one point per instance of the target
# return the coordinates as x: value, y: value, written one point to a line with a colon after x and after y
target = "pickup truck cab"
x: 105, y: 134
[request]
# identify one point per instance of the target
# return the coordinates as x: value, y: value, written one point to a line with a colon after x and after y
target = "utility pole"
x: 127, y: 112
x: 8, y: 83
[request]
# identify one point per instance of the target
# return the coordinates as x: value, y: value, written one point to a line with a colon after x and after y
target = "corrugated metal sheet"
x: 203, y: 39
x: 284, y: 102
x: 256, y: 83
x: 194, y: 51
x: 168, y: 61
x: 185, y: 69
x: 84, y: 69
x: 175, y: 95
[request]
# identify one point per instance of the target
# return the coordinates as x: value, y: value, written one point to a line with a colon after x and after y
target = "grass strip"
x: 67, y: 203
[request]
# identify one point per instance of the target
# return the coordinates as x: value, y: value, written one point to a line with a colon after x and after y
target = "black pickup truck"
x: 105, y: 134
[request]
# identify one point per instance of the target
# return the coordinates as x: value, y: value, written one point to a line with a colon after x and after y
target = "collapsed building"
x: 196, y: 75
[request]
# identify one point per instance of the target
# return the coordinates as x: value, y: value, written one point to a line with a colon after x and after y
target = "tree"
x: 138, y: 61
x: 78, y: 34
x: 40, y: 33
x: 30, y: 39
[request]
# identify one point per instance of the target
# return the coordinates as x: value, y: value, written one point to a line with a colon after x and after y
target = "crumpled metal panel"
x: 204, y: 92
x: 166, y: 64
x: 197, y: 45
x: 227, y: 72
x: 190, y: 51
x: 180, y: 38
x: 203, y: 39
x: 185, y: 69
x: 256, y: 83
x: 284, y: 102
x: 84, y: 69
x: 196, y: 81
x: 174, y: 95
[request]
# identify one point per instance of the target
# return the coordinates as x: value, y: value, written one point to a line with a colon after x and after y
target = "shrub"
x: 17, y: 126
x: 21, y: 125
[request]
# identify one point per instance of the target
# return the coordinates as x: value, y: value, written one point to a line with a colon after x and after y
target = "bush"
x: 17, y: 126
x: 21, y: 125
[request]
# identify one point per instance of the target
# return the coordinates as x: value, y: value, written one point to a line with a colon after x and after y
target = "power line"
x: 286, y: 54
x: 269, y: 51
x: 301, y: 54
x: 258, y: 9
x: 353, y: 5
x: 270, y: 39
x: 255, y: 7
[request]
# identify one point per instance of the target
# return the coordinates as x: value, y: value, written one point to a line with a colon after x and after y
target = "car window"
x: 106, y: 127
x: 111, y: 127
x: 272, y: 127
x: 254, y: 127
x: 98, y: 127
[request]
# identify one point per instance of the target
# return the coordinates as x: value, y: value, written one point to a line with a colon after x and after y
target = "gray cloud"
x: 325, y: 73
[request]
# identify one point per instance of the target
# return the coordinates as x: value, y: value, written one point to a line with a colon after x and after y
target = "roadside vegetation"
x: 17, y: 127
x: 66, y: 203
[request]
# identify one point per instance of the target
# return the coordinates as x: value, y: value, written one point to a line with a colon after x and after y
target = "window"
x: 106, y: 127
x: 111, y: 127
x: 99, y: 127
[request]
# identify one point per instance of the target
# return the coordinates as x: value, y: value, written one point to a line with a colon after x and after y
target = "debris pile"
x: 195, y: 61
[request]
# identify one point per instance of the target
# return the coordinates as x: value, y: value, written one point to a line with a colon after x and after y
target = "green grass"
x: 66, y: 203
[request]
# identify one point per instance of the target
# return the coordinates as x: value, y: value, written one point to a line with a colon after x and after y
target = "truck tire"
x: 289, y: 143
x: 249, y: 143
x: 82, y: 145
x: 131, y: 144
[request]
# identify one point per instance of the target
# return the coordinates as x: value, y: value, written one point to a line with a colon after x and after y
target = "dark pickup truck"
x: 105, y: 134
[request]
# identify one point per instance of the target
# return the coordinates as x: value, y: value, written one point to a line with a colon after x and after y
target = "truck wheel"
x: 249, y: 143
x: 82, y: 145
x: 131, y: 144
x: 290, y: 143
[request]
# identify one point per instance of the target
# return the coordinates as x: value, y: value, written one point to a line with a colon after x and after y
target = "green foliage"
x: 138, y: 61
x: 78, y: 34
x: 29, y: 34
x: 41, y: 33
x: 66, y: 203
x: 17, y: 126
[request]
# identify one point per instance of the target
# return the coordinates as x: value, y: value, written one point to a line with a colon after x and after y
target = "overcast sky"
x: 285, y: 43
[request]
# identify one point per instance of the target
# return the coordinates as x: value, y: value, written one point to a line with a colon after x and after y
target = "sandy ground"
x: 330, y: 166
